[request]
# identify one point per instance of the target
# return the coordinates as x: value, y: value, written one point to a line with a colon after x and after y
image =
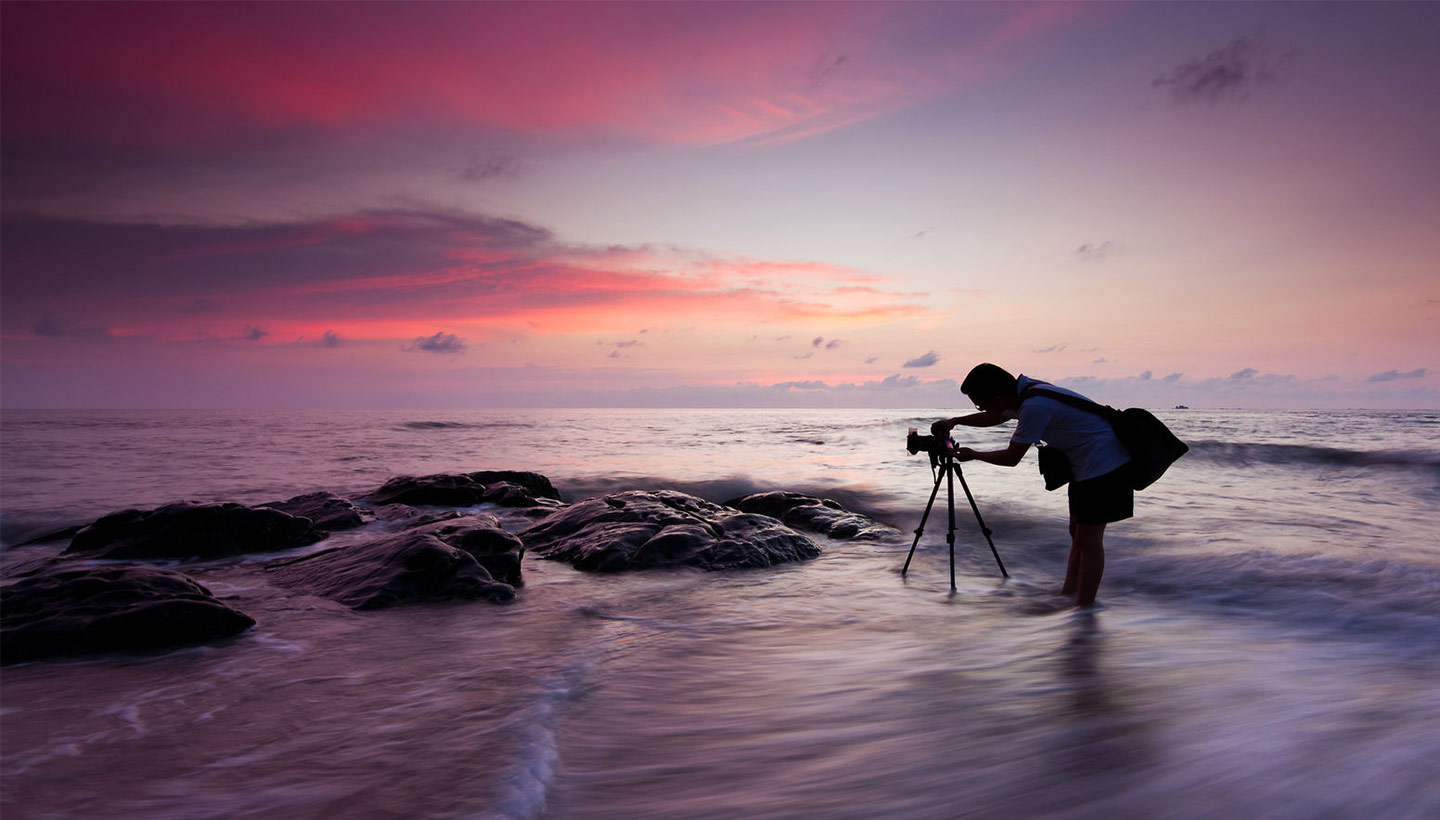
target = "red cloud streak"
x: 402, y: 270
x: 219, y: 75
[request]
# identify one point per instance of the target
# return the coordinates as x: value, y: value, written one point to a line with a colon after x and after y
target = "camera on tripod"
x: 946, y: 469
x: 935, y: 446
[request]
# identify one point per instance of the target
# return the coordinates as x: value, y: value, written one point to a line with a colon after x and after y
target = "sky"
x: 456, y: 205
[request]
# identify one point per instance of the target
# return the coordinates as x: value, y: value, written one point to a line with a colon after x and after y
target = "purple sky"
x: 693, y: 204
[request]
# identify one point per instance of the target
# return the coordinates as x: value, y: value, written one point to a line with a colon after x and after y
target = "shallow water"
x: 1267, y: 644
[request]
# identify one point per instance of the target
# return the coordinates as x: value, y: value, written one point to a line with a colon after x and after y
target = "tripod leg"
x: 950, y: 470
x: 984, y: 529
x: 920, y: 530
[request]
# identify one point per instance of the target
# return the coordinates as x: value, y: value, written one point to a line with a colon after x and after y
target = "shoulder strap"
x: 1088, y: 406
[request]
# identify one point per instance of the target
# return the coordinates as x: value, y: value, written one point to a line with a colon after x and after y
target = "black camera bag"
x: 1152, y: 447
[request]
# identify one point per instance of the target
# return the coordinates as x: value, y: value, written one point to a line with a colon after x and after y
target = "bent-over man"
x: 1100, y: 490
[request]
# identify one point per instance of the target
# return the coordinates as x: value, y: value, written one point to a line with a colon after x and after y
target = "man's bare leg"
x: 1087, y: 559
x: 1072, y: 569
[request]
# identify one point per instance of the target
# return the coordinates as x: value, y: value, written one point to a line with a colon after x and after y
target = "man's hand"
x: 964, y: 454
x: 941, y: 429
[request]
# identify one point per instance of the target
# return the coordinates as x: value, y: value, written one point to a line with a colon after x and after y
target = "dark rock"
x: 505, y: 494
x: 327, y: 510
x: 499, y: 552
x: 192, y: 530
x: 330, y: 512
x: 439, y: 490
x: 98, y: 609
x: 813, y: 514
x: 538, y: 485
x: 640, y: 530
x: 404, y: 568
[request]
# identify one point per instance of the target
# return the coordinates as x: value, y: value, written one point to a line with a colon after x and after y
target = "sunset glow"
x: 493, y: 204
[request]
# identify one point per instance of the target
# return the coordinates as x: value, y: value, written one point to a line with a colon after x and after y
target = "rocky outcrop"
x: 498, y: 551
x: 505, y: 494
x: 820, y: 515
x: 440, y: 490
x: 328, y: 511
x: 641, y: 530
x: 404, y: 568
x: 538, y: 486
x: 190, y: 530
x: 98, y: 609
x: 507, y: 488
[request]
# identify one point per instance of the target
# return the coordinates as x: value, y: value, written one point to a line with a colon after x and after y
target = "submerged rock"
x: 814, y: 514
x: 411, y: 517
x: 329, y: 511
x: 193, y: 530
x: 98, y: 609
x: 404, y: 568
x: 641, y: 530
x: 440, y: 490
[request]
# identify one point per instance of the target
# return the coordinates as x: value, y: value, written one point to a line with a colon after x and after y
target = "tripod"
x: 948, y: 471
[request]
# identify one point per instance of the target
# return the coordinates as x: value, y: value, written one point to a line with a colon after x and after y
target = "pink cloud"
x: 214, y: 76
x: 394, y: 274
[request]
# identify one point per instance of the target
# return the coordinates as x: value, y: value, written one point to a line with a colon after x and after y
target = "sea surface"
x: 1268, y: 643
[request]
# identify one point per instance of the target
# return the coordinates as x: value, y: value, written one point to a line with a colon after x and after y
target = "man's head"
x: 991, y: 388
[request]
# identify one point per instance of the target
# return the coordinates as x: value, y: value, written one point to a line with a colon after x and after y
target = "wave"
x: 458, y: 425
x: 1245, y: 454
x: 1345, y: 596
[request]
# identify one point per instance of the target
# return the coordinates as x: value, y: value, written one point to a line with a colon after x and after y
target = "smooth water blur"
x: 1267, y: 646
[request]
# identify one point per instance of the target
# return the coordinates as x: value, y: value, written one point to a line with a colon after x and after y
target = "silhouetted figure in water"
x: 1100, y: 490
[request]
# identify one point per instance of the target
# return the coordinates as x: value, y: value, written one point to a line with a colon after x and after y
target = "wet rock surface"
x: 87, y: 610
x: 538, y: 486
x: 408, y: 567
x: 644, y: 529
x: 498, y: 551
x: 408, y: 516
x: 187, y: 530
x: 820, y: 515
x: 440, y: 490
x: 505, y: 494
x: 329, y: 511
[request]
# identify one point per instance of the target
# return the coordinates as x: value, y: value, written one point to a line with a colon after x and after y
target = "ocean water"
x: 1267, y: 644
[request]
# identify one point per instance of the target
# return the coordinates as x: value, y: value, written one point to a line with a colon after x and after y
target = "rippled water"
x: 1267, y: 645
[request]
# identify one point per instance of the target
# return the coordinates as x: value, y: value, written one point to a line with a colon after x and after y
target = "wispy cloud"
x: 496, y: 167
x: 1060, y: 348
x: 1094, y: 251
x: 924, y: 360
x: 1229, y: 73
x: 49, y: 327
x: 1396, y: 375
x: 441, y: 342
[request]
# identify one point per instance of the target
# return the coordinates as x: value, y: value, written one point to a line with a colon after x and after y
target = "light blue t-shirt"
x: 1086, y: 438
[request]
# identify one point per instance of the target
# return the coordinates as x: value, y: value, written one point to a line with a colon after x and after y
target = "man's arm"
x: 984, y: 418
x: 1008, y: 457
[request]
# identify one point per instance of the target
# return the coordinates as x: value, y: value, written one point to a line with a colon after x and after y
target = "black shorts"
x: 1103, y: 499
